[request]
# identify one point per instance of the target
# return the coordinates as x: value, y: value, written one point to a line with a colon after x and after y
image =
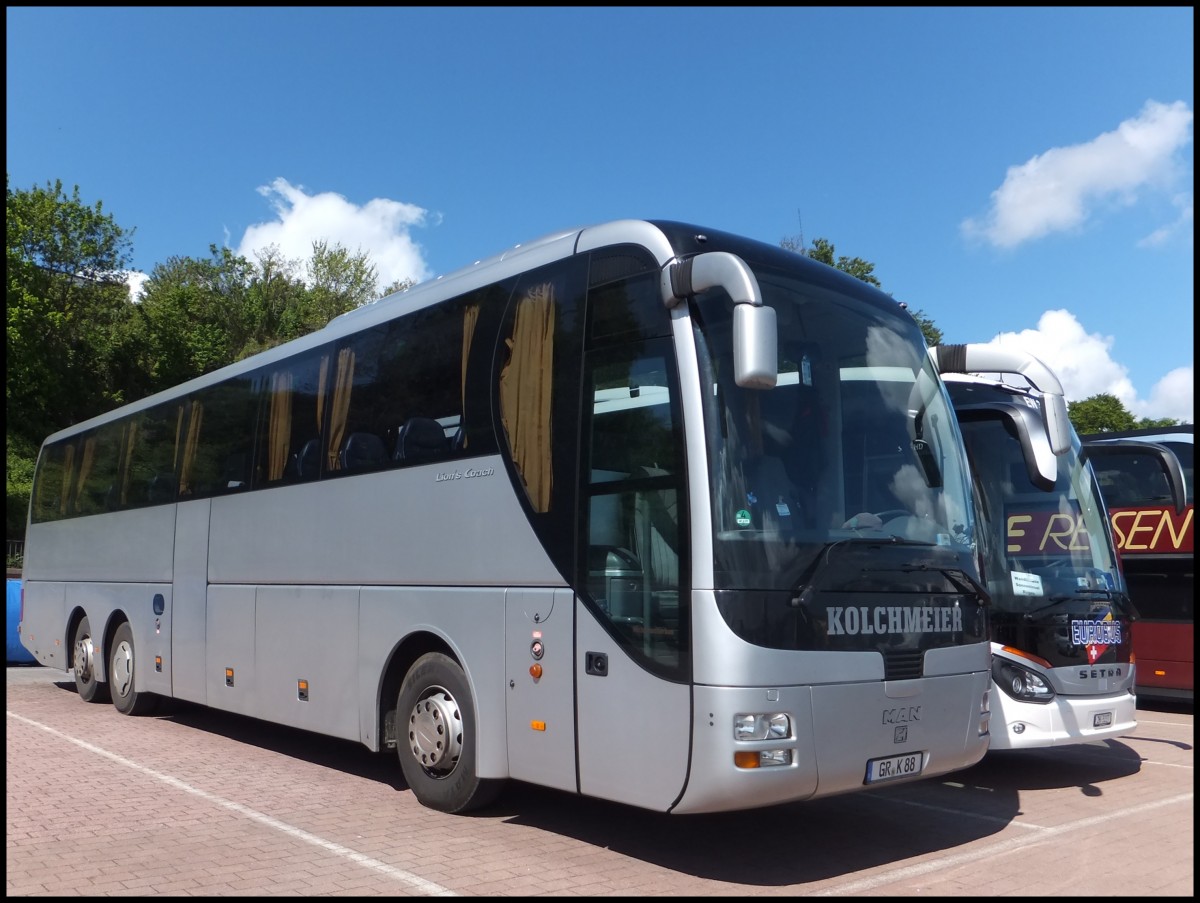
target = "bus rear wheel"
x: 437, y: 737
x: 125, y: 696
x: 84, y: 652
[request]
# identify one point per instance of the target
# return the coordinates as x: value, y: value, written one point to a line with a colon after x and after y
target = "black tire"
x: 436, y: 737
x: 121, y: 684
x: 84, y: 664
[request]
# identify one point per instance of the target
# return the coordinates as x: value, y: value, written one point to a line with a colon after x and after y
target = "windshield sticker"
x: 742, y: 518
x: 1026, y: 584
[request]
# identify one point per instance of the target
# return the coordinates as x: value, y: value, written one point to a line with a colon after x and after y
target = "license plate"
x: 905, y: 766
x: 1102, y: 719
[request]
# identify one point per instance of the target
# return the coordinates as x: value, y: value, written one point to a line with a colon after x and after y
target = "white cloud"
x: 381, y: 228
x: 136, y: 280
x: 1083, y: 363
x: 1057, y: 191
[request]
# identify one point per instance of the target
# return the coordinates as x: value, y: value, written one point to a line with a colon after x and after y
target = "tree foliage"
x: 1100, y: 413
x: 860, y: 269
x: 67, y: 343
x: 1104, y: 413
x: 77, y: 344
x: 823, y: 250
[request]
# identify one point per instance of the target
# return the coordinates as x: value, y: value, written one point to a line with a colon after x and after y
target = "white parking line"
x: 991, y: 851
x: 415, y: 882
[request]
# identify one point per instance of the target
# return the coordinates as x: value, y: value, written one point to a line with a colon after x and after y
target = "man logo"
x: 901, y: 733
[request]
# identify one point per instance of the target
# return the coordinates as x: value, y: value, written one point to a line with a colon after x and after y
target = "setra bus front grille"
x: 903, y: 665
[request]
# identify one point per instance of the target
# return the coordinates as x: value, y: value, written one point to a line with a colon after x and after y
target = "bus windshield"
x: 856, y: 442
x: 1053, y: 554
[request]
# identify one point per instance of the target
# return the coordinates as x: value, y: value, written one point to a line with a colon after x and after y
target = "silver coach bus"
x: 635, y: 511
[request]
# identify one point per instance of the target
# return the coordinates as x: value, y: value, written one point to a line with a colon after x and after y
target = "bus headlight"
x: 1021, y: 683
x: 760, y: 726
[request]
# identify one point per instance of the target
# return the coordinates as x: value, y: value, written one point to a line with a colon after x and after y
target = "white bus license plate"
x: 904, y: 766
x: 1102, y: 719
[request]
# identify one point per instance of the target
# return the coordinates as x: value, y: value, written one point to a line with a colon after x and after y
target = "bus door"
x: 189, y: 601
x: 632, y: 655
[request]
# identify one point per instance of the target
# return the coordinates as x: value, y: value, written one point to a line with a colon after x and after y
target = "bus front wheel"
x: 125, y: 696
x: 84, y: 651
x: 436, y: 737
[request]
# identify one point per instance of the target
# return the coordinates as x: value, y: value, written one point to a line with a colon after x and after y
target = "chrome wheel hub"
x: 435, y: 731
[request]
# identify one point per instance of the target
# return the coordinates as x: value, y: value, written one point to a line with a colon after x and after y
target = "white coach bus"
x: 634, y: 511
x: 1063, y: 663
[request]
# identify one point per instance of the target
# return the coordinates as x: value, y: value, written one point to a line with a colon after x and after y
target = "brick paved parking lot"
x: 203, y: 803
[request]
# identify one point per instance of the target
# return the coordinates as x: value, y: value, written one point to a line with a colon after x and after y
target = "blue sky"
x: 1021, y: 175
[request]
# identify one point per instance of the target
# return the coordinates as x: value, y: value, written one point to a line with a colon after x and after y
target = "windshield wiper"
x: 1057, y: 599
x: 963, y: 581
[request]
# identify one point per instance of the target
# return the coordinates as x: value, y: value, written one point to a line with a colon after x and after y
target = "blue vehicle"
x: 17, y: 654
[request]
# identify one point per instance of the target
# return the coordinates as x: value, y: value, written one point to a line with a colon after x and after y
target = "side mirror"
x: 755, y: 331
x: 1113, y: 449
x: 978, y: 358
x: 755, y: 347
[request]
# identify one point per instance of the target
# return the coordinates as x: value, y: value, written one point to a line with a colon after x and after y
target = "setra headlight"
x: 1020, y: 682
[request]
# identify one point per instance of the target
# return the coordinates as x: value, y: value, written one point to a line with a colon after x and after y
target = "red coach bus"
x: 1154, y: 541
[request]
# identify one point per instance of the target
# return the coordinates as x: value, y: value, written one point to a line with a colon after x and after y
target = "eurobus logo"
x: 1142, y: 531
x: 1097, y: 636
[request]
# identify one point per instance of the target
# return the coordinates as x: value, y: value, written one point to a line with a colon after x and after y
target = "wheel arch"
x: 399, y: 663
x: 115, y: 619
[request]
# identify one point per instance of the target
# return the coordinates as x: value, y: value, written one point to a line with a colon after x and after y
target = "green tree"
x: 200, y: 315
x: 67, y: 342
x: 860, y: 269
x: 1101, y: 413
x: 863, y: 270
x: 1104, y: 413
x: 69, y: 347
x: 195, y: 316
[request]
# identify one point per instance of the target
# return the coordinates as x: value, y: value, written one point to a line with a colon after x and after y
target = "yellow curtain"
x: 191, y: 444
x: 470, y: 318
x: 67, y: 474
x: 85, y: 469
x: 322, y: 383
x: 339, y: 407
x: 525, y: 392
x: 280, y: 426
x: 180, y: 411
x: 129, y: 442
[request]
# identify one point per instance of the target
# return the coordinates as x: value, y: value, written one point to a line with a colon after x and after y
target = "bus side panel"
x: 106, y: 604
x: 44, y: 624
x: 406, y: 527
x: 151, y: 637
x: 1165, y: 652
x: 306, y: 657
x: 541, y: 708
x: 186, y: 664
x: 470, y: 621
x: 634, y: 727
x: 229, y: 627
x: 98, y: 548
